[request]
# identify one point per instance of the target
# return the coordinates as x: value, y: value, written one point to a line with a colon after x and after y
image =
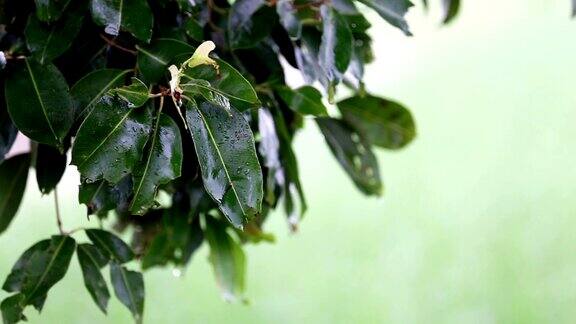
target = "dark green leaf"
x: 451, y: 8
x: 226, y: 82
x: 91, y: 261
x: 133, y: 16
x: 227, y: 157
x: 336, y: 46
x: 129, y: 288
x: 227, y: 260
x: 110, y: 245
x: 159, y: 253
x: 101, y: 197
x: 93, y: 86
x: 250, y: 22
x: 136, y: 94
x: 382, y: 122
x: 8, y: 131
x: 40, y: 267
x: 154, y: 59
x: 39, y: 103
x: 305, y: 100
x: 161, y: 164
x: 50, y: 10
x: 288, y: 18
x: 111, y: 140
x: 393, y: 11
x: 50, y: 167
x: 353, y: 153
x: 12, y: 308
x: 47, y: 42
x: 13, y: 177
x: 194, y: 30
x: 269, y: 149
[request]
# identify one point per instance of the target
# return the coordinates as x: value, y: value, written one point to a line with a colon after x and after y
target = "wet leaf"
x: 154, y: 59
x: 13, y: 177
x: 250, y: 22
x: 288, y: 18
x: 129, y: 288
x: 91, y: 261
x: 101, y: 197
x: 336, y: 46
x: 47, y: 42
x: 133, y: 16
x: 50, y: 10
x: 305, y: 100
x: 50, y: 167
x: 393, y: 11
x: 353, y: 154
x: 39, y: 103
x: 137, y: 93
x: 110, y: 245
x: 111, y: 140
x: 227, y: 157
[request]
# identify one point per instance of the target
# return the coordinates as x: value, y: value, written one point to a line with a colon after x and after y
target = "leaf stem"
x: 58, y: 216
x: 112, y: 43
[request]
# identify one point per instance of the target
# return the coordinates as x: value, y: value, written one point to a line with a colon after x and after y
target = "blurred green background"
x: 478, y: 221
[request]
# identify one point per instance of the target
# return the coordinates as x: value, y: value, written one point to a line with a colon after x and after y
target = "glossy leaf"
x: 101, y: 197
x: 269, y: 149
x: 47, y: 42
x: 12, y: 309
x: 194, y: 30
x: 161, y: 164
x: 39, y: 103
x: 8, y: 131
x: 110, y: 245
x: 50, y: 167
x: 50, y: 10
x: 289, y: 18
x: 88, y: 91
x: 336, y: 46
x: 451, y: 8
x: 382, y: 122
x: 393, y: 11
x: 111, y: 140
x: 225, y: 81
x: 353, y: 154
x: 136, y: 94
x: 227, y: 157
x: 129, y: 288
x: 154, y: 59
x: 40, y: 267
x: 306, y: 100
x: 133, y: 16
x: 250, y: 22
x: 227, y: 259
x: 91, y: 261
x: 13, y: 177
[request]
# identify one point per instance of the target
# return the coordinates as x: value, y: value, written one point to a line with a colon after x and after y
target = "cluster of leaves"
x: 143, y: 105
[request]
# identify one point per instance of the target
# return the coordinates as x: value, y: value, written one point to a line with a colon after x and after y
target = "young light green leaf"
x: 136, y: 94
x: 353, y: 154
x: 91, y: 261
x: 154, y: 59
x: 227, y: 157
x: 161, y: 164
x: 47, y: 42
x: 13, y: 177
x: 129, y: 288
x: 382, y: 122
x: 50, y: 166
x: 227, y: 259
x: 111, y: 140
x: 92, y: 87
x: 306, y: 100
x: 133, y: 16
x: 39, y: 103
x: 50, y: 10
x: 393, y: 11
x: 110, y: 245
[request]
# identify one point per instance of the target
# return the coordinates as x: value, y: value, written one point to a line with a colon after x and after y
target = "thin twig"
x: 112, y: 43
x: 58, y: 216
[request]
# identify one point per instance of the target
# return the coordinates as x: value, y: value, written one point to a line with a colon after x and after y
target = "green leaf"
x: 250, y: 21
x: 194, y: 30
x: 288, y: 18
x: 12, y: 309
x: 451, y: 8
x: 133, y: 16
x: 13, y: 177
x: 50, y: 167
x: 101, y: 197
x: 161, y: 164
x: 382, y: 122
x: 136, y: 94
x: 41, y: 267
x: 50, y: 10
x: 393, y: 11
x: 111, y: 140
x: 91, y: 261
x: 353, y: 153
x: 226, y: 81
x: 47, y: 42
x: 110, y: 245
x: 129, y: 288
x: 227, y: 157
x: 336, y: 46
x: 227, y: 259
x: 93, y: 86
x: 39, y: 103
x: 154, y: 59
x: 8, y: 131
x: 306, y: 100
